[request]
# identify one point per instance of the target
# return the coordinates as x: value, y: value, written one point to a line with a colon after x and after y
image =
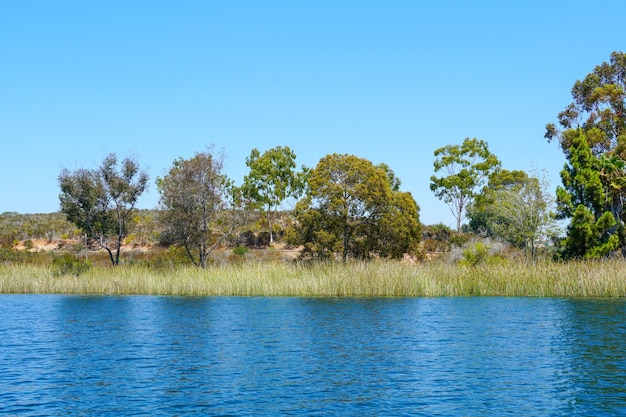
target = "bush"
x: 69, y: 265
x: 175, y: 256
x: 240, y: 250
x: 475, y: 254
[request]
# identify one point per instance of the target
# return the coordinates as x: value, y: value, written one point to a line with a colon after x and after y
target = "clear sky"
x: 389, y: 81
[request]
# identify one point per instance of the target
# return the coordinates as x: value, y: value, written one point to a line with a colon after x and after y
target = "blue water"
x: 174, y: 356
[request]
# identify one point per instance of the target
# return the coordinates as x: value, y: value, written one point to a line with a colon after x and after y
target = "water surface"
x: 152, y: 356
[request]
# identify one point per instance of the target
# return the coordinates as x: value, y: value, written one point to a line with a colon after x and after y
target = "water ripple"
x: 170, y: 356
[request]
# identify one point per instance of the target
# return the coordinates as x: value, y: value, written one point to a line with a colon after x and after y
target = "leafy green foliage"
x: 596, y: 175
x: 354, y: 209
x: 514, y: 208
x: 272, y: 179
x: 582, y: 198
x: 69, y: 264
x: 465, y: 167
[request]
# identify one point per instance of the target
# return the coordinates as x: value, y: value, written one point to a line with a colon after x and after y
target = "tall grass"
x: 374, y: 279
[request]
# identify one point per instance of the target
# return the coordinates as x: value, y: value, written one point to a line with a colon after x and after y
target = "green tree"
x: 582, y: 198
x: 353, y: 209
x: 516, y: 208
x: 524, y: 215
x: 466, y: 167
x: 479, y: 212
x: 598, y: 108
x: 194, y: 205
x: 101, y: 202
x: 272, y: 180
x: 598, y: 112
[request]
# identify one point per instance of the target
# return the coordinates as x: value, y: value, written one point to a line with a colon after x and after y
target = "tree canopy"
x: 466, y: 167
x: 592, y: 135
x: 101, y: 201
x: 271, y: 180
x: 194, y: 196
x: 353, y: 208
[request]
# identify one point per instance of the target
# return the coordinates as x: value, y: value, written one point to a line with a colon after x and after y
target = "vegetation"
x: 515, y: 208
x: 193, y: 203
x: 350, y: 210
x: 101, y: 202
x: 332, y: 279
x: 272, y: 180
x: 592, y: 135
x: 466, y: 167
x: 354, y: 209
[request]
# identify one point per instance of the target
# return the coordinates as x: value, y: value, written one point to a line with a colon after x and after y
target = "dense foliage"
x: 354, y: 209
x: 592, y: 135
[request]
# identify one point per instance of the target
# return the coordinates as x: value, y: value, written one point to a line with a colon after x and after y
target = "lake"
x: 172, y: 356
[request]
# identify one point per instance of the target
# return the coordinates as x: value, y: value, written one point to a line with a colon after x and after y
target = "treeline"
x: 347, y: 207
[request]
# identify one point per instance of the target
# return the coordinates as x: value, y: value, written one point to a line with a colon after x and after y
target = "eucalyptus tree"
x: 272, y: 179
x: 597, y: 116
x: 353, y: 209
x: 194, y: 205
x: 518, y: 209
x: 101, y: 201
x: 466, y: 168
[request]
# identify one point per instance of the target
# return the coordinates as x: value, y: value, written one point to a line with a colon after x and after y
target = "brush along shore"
x: 354, y: 279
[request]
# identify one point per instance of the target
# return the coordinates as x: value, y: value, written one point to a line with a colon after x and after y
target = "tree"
x: 582, y: 198
x: 101, y: 202
x: 272, y: 179
x: 516, y: 208
x: 524, y: 214
x: 598, y: 116
x: 353, y: 209
x: 479, y: 212
x: 466, y: 168
x: 598, y: 108
x: 194, y: 205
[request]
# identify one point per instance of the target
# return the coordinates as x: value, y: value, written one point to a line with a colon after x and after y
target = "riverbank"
x: 374, y: 279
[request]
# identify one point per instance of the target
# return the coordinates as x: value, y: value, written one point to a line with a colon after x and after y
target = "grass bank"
x: 375, y: 279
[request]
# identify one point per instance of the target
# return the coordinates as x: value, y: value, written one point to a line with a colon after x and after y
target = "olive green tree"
x: 194, y: 205
x: 465, y: 169
x: 272, y: 179
x: 353, y: 209
x: 101, y: 202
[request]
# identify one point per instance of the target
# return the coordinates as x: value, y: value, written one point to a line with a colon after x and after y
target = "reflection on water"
x: 79, y: 355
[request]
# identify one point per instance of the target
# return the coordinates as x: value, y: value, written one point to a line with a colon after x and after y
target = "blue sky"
x: 389, y: 81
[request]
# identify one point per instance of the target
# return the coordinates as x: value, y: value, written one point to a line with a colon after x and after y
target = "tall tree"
x: 101, y: 202
x: 272, y: 179
x: 353, y: 209
x: 598, y: 113
x: 466, y: 167
x: 598, y: 108
x: 194, y: 202
x: 582, y: 198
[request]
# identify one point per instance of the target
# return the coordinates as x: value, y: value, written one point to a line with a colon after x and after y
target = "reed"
x: 373, y: 279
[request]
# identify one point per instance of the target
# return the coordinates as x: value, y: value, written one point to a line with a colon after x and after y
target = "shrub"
x: 69, y: 265
x: 475, y: 254
x: 240, y: 250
